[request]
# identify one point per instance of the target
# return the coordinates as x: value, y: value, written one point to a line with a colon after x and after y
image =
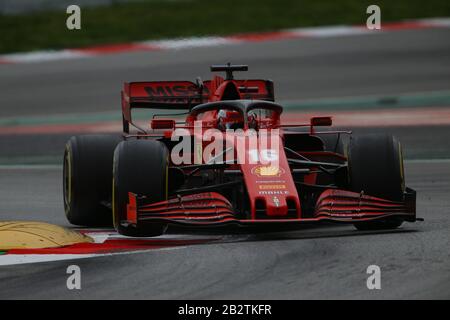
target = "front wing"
x: 212, y: 209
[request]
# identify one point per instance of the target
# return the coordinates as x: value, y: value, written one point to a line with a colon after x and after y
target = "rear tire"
x: 141, y: 167
x: 87, y: 174
x: 375, y: 166
x: 333, y: 143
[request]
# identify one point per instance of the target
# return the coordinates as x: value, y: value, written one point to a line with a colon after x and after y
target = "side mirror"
x: 157, y: 124
x: 321, y: 122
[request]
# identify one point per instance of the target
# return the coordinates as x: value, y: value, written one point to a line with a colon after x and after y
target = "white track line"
x: 15, y: 259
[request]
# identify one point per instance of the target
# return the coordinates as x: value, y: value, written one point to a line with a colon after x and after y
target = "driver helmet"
x: 229, y: 119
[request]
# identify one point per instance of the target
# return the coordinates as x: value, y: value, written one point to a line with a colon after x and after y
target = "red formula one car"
x: 169, y: 174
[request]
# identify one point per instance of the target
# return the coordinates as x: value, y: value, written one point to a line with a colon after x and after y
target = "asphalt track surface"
x: 312, y: 263
x: 327, y: 262
x: 390, y: 63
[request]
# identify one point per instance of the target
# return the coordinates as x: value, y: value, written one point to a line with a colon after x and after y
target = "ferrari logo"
x: 276, y: 201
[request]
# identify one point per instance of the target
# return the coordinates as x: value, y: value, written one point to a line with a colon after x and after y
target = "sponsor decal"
x: 272, y: 187
x: 349, y: 214
x: 267, y: 171
x: 273, y: 192
x: 169, y: 90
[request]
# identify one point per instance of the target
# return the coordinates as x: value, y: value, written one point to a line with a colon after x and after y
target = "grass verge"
x: 156, y: 19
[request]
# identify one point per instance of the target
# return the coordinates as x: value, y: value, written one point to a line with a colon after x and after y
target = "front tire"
x: 375, y: 167
x: 140, y: 167
x: 87, y: 174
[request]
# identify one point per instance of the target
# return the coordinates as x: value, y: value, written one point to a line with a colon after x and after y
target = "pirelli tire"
x: 375, y: 167
x: 141, y: 167
x: 333, y: 142
x: 87, y: 175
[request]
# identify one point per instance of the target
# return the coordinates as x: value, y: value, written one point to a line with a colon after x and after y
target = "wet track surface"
x: 328, y: 262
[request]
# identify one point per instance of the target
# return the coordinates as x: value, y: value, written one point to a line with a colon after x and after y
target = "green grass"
x: 158, y: 19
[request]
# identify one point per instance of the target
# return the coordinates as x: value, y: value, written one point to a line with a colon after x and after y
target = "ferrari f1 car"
x: 304, y: 174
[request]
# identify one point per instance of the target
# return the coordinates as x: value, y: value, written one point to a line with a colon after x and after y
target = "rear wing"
x: 183, y: 95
